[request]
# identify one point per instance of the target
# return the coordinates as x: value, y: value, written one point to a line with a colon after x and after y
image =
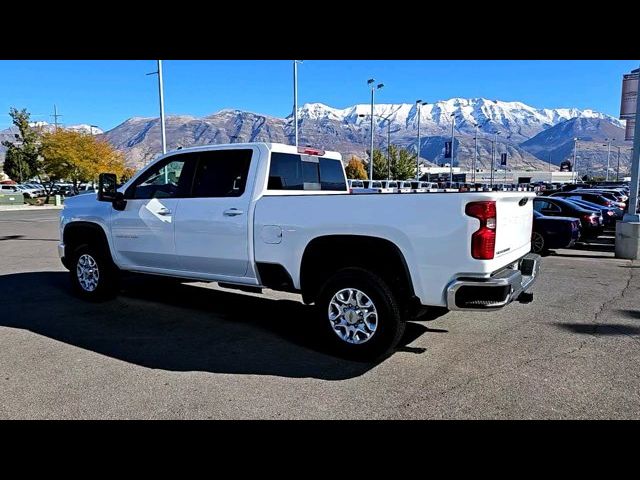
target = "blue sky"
x: 105, y: 93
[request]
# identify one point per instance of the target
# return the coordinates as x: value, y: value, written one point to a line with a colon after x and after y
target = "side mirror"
x: 107, y: 187
x: 108, y: 191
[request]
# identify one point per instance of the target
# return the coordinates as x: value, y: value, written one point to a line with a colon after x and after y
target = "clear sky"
x: 106, y: 93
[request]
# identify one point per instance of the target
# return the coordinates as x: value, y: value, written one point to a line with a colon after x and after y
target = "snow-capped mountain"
x: 347, y: 130
x: 84, y: 128
x: 519, y: 120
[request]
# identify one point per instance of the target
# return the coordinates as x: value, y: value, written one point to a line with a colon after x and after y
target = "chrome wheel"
x: 353, y: 316
x: 537, y: 242
x: 87, y: 272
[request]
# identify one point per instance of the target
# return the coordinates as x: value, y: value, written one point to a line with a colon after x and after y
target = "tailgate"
x: 514, y: 222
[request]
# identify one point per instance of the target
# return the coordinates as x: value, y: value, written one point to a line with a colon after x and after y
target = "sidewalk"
x: 12, y: 208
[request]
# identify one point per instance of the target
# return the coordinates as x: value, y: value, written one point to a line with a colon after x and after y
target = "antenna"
x: 55, y: 116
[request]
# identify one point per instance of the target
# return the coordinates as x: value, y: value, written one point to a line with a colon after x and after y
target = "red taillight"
x: 483, y: 241
x: 590, y: 217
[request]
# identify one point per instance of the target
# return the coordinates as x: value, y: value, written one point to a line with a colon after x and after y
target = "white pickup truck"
x: 260, y: 215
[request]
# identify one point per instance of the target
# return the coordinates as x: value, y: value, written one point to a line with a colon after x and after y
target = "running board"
x: 244, y: 288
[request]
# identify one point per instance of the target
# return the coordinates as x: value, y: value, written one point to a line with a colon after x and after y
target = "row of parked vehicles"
x: 563, y: 217
x: 414, y: 186
x: 33, y: 190
x: 563, y: 214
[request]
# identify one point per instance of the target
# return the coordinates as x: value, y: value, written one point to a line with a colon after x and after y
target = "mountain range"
x: 531, y: 136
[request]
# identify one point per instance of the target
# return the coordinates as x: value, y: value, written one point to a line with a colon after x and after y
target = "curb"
x: 30, y: 207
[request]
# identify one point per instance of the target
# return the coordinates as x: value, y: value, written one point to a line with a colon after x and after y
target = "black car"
x: 591, y: 221
x: 553, y: 232
x: 589, y: 197
x: 609, y: 214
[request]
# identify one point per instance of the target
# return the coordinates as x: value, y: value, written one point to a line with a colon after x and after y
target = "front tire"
x: 94, y: 277
x: 360, y: 315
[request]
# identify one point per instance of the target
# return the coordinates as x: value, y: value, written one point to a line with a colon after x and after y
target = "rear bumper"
x: 478, y: 293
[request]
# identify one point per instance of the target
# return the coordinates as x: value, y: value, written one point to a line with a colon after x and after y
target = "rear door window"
x: 303, y: 172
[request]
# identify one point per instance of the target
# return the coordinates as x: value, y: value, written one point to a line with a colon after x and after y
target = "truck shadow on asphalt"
x: 160, y: 324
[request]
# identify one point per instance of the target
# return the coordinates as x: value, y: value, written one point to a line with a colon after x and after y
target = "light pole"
x: 575, y: 159
x: 475, y: 153
x: 91, y: 127
x: 374, y: 87
x: 418, y: 105
x: 608, y: 145
x: 494, y: 146
x: 453, y: 139
x: 295, y: 97
x: 618, y: 169
x: 388, y: 120
x: 161, y: 95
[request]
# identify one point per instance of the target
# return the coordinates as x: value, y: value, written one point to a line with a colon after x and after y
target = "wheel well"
x: 83, y: 233
x: 324, y: 256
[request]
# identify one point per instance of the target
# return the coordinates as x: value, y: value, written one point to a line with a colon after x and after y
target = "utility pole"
x: 295, y: 97
x: 55, y: 117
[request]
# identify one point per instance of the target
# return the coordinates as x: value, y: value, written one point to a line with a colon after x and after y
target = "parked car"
x: 589, y: 197
x: 591, y: 221
x: 28, y: 192
x: 553, y: 232
x: 609, y: 214
x: 369, y: 263
x: 405, y: 187
x: 10, y: 189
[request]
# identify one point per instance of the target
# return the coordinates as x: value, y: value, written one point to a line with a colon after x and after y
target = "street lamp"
x: 295, y: 97
x: 388, y: 120
x: 575, y: 159
x: 453, y: 139
x: 91, y: 127
x: 372, y: 84
x: 608, y: 145
x: 161, y: 95
x: 494, y: 146
x: 418, y: 105
x: 618, y: 169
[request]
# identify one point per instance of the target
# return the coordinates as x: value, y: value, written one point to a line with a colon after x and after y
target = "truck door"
x: 143, y: 233
x: 212, y: 225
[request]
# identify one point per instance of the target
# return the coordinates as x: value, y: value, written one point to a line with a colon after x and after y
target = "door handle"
x: 232, y: 212
x: 164, y: 211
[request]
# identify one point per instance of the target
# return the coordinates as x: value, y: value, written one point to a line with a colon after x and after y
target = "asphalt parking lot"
x: 162, y: 350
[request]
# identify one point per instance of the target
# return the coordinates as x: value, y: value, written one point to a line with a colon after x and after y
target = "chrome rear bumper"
x: 478, y: 293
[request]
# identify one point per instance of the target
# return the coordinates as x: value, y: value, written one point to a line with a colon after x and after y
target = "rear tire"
x: 360, y: 315
x: 537, y: 243
x: 94, y: 276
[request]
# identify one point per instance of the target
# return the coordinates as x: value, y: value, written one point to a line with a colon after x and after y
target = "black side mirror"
x: 108, y: 191
x: 107, y: 183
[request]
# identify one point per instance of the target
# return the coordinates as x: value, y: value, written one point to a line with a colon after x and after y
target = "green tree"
x: 355, y: 169
x: 21, y: 159
x: 380, y: 166
x: 403, y: 164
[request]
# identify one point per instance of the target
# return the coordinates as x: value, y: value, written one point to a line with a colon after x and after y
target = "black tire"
x: 390, y: 325
x: 537, y: 243
x: 108, y: 275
